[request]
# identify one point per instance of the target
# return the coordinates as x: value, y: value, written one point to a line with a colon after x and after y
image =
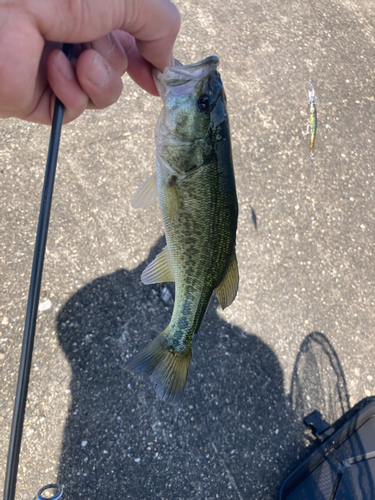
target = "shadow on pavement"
x: 318, y: 380
x: 234, y: 434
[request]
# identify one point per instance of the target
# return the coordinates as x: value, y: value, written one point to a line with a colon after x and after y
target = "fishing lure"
x: 312, y: 110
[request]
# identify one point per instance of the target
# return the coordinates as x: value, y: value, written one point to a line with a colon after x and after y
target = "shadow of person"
x: 233, y: 433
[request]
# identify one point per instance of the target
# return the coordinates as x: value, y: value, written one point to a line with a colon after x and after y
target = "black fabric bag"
x: 342, y: 467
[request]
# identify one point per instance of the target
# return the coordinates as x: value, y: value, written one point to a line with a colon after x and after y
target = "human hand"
x: 109, y: 38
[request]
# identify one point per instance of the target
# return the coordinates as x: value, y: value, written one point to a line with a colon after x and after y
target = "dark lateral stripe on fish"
x: 167, y: 368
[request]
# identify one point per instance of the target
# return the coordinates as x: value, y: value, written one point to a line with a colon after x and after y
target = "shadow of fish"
x: 195, y: 184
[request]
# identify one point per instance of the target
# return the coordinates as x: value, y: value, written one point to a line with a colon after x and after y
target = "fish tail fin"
x: 167, y: 368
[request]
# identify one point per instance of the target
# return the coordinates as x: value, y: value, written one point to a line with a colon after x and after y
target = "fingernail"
x: 64, y: 67
x: 104, y: 45
x: 98, y: 74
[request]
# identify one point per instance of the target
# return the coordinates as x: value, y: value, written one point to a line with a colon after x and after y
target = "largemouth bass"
x: 195, y: 185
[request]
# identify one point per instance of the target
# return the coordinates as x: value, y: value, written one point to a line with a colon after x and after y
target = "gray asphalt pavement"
x: 299, y: 336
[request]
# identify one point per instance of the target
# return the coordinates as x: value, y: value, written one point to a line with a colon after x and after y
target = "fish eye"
x: 203, y: 102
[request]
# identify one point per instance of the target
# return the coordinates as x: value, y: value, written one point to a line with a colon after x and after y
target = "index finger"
x: 155, y: 31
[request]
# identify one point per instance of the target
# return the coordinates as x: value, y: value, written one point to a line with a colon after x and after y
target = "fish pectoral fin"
x: 172, y: 196
x: 227, y: 290
x: 160, y: 269
x: 167, y: 368
x: 147, y: 193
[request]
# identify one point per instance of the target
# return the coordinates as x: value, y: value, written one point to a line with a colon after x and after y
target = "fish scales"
x: 197, y: 196
x: 199, y: 245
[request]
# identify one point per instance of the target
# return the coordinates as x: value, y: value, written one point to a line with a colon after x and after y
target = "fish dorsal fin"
x: 227, y: 290
x: 160, y: 269
x: 147, y: 193
x: 172, y: 196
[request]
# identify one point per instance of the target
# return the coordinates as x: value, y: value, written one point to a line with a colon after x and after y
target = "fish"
x: 313, y: 117
x: 195, y: 186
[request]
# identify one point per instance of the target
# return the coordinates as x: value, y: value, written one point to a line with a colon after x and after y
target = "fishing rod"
x: 32, y: 310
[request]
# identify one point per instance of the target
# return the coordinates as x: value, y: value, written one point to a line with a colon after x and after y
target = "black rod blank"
x: 33, y: 300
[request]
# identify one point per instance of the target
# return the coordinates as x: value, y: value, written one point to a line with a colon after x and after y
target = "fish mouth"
x: 174, y: 76
x: 204, y: 62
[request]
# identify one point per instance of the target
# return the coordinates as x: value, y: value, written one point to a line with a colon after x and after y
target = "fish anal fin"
x: 147, y: 193
x: 167, y: 368
x: 160, y: 269
x: 227, y: 290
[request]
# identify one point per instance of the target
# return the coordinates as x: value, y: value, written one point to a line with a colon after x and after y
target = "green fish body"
x: 197, y: 195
